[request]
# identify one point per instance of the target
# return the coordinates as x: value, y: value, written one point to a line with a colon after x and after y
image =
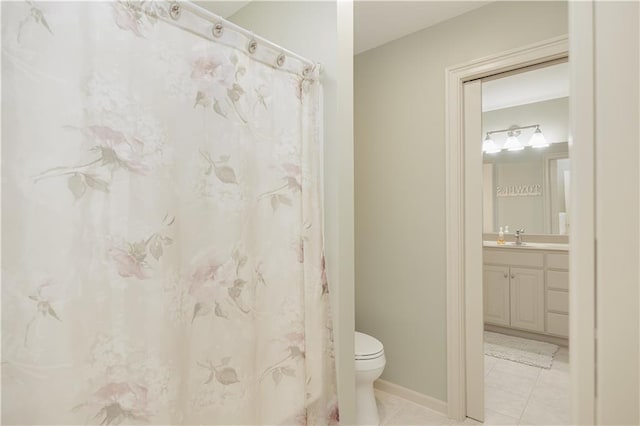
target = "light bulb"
x: 489, y: 146
x: 513, y: 144
x: 538, y: 140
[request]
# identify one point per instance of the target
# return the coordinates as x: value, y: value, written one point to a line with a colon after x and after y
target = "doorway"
x: 465, y: 227
x: 525, y: 245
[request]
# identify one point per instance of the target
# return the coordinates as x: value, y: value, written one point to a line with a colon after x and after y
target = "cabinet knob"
x: 505, y: 275
x: 513, y: 276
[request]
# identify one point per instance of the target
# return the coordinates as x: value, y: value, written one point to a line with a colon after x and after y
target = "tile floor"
x: 515, y: 394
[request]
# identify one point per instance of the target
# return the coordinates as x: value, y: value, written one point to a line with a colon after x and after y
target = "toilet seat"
x: 370, y: 356
x: 369, y: 365
x: 367, y: 347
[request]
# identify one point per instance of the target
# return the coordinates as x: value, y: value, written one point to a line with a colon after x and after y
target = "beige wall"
x: 400, y: 179
x: 315, y: 30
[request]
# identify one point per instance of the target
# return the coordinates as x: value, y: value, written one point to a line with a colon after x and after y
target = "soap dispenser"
x: 500, y: 236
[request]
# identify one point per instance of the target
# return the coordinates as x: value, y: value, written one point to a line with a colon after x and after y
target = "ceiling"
x: 223, y: 9
x: 379, y: 22
x: 537, y: 85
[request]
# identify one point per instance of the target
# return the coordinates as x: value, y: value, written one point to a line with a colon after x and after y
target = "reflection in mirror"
x: 559, y: 189
x: 529, y: 187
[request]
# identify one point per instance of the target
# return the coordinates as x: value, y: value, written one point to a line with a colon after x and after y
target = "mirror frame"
x: 547, y: 202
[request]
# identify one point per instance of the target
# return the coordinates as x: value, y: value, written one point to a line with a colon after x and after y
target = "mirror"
x: 527, y: 189
x: 527, y: 186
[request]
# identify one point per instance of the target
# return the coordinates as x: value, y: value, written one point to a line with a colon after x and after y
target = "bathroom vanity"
x: 526, y: 288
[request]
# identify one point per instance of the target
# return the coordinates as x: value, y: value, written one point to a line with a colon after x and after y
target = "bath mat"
x: 524, y: 351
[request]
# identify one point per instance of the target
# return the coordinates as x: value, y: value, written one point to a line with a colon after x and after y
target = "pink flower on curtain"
x: 204, y: 273
x: 214, y: 75
x: 292, y: 183
x: 295, y: 338
x: 217, y: 81
x: 204, y: 290
x: 293, y: 176
x: 117, y: 148
x: 293, y: 170
x: 132, y: 261
x: 295, y: 343
x: 127, y: 383
x: 213, y: 68
x: 217, y: 287
x: 120, y: 401
x: 128, y: 264
x: 126, y: 17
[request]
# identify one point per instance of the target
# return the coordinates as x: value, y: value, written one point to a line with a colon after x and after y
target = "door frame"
x: 462, y: 263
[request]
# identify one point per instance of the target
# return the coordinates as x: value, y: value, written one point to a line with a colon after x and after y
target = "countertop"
x: 528, y: 246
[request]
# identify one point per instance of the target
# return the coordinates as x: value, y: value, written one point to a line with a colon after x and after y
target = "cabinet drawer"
x: 513, y: 258
x: 558, y: 261
x: 558, y: 324
x: 558, y: 301
x: 558, y: 280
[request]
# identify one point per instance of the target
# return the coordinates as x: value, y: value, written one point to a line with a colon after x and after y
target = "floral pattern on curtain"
x: 162, y: 225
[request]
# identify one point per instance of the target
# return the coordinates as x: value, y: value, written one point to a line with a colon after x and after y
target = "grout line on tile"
x: 533, y: 388
x: 393, y: 412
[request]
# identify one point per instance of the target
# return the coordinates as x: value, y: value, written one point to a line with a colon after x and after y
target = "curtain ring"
x: 175, y: 10
x: 252, y: 46
x: 280, y: 59
x: 306, y: 71
x: 217, y: 29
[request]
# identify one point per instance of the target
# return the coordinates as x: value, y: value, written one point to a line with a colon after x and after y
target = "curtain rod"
x: 215, y: 19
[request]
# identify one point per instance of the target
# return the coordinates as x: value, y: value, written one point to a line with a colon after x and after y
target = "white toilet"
x: 370, y: 361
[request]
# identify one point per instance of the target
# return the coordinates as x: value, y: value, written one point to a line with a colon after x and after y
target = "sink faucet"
x: 519, y: 233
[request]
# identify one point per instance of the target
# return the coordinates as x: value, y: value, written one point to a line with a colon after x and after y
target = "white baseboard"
x: 411, y: 395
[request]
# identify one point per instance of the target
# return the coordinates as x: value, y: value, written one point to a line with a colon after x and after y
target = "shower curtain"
x: 162, y: 222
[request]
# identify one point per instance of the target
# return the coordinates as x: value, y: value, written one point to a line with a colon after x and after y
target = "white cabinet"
x: 527, y: 290
x: 495, y: 283
x: 527, y: 298
x: 558, y: 294
x: 514, y: 297
x: 558, y: 324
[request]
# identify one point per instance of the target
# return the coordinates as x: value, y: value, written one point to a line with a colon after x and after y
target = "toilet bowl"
x: 370, y: 362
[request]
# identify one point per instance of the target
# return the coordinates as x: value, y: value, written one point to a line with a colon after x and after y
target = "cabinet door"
x: 527, y: 299
x: 495, y: 284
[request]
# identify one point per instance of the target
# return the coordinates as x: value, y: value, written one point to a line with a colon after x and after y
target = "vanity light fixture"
x: 489, y: 146
x: 538, y: 140
x: 512, y: 143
